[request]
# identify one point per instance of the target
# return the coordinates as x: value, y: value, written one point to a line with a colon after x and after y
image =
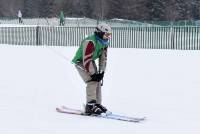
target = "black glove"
x: 97, y: 77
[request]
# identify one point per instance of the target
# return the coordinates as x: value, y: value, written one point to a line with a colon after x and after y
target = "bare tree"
x: 46, y: 8
x: 31, y: 8
x: 115, y: 9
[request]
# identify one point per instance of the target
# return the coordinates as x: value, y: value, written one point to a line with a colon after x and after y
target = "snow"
x: 16, y: 25
x: 162, y: 85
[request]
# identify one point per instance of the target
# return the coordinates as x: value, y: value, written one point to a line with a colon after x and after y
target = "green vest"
x: 62, y: 17
x: 96, y: 54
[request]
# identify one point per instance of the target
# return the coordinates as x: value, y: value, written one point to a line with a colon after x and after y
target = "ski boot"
x: 103, y: 108
x: 92, y: 108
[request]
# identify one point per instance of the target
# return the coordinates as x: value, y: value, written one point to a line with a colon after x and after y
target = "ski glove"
x: 97, y: 77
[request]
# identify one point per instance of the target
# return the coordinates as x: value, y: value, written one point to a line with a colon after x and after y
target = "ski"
x: 108, y: 115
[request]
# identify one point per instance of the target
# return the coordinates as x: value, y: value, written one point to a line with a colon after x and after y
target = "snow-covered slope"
x: 162, y: 85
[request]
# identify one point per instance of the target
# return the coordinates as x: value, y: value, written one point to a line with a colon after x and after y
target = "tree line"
x: 157, y: 10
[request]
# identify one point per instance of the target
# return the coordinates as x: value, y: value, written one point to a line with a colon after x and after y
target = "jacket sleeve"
x: 88, y: 63
x: 103, y: 60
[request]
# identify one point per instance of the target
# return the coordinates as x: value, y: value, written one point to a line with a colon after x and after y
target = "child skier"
x: 92, y: 48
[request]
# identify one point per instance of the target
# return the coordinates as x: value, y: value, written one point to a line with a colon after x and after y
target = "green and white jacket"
x: 90, y: 50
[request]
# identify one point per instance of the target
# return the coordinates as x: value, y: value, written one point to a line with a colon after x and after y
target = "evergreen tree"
x: 134, y: 9
x: 195, y: 9
x: 156, y: 9
x: 87, y: 8
x: 181, y: 9
x: 67, y: 7
x: 77, y: 8
x: 142, y: 11
x: 115, y: 9
x: 1, y: 7
x: 28, y: 4
x: 31, y: 8
x: 46, y: 8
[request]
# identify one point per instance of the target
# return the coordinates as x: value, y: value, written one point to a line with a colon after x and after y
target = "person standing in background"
x: 20, y: 16
x: 62, y: 19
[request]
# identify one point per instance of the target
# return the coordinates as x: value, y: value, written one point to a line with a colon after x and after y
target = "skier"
x: 93, y: 47
x: 20, y: 16
x: 62, y: 19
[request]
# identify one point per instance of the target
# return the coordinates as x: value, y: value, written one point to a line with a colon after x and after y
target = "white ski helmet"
x: 103, y: 29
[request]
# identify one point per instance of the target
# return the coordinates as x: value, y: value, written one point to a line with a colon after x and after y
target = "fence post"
x: 172, y: 37
x: 37, y: 36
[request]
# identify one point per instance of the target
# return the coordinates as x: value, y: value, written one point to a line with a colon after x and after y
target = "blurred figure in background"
x: 62, y: 19
x: 20, y: 16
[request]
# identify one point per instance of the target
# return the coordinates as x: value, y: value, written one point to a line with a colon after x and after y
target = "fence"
x: 186, y: 38
x: 76, y: 22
